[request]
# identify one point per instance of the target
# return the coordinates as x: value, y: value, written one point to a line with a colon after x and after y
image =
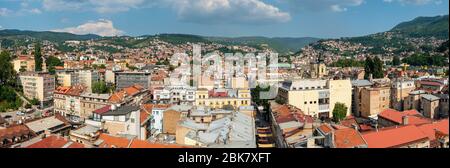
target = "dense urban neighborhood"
x: 385, y: 90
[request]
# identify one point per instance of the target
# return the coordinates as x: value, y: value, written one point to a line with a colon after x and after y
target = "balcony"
x: 324, y: 108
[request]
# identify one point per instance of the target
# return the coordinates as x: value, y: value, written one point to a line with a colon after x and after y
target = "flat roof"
x: 44, y: 124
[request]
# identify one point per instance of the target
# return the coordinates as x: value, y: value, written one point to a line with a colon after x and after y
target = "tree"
x: 37, y: 57
x: 34, y: 101
x: 100, y: 88
x: 52, y: 62
x: 368, y: 67
x: 396, y: 61
x: 377, y: 68
x: 339, y: 112
x: 7, y: 73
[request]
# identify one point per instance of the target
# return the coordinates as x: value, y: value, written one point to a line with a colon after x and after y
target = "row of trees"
x: 8, y: 98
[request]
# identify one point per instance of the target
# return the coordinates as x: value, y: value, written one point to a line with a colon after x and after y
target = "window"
x: 310, y: 102
x: 132, y: 120
x: 306, y: 102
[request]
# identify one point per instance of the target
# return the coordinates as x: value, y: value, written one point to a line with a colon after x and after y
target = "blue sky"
x: 271, y: 18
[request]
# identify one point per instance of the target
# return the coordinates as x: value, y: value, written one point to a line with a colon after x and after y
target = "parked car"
x: 20, y: 113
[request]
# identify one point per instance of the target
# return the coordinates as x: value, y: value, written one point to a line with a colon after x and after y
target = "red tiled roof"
x: 415, y: 118
x: 55, y: 142
x: 102, y: 110
x: 394, y: 137
x: 348, y: 138
x: 430, y: 129
x: 112, y: 141
x: 325, y: 128
x: 14, y: 131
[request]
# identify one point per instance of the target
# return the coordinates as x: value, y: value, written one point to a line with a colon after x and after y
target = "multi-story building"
x: 88, y: 78
x: 400, y: 90
x: 66, y: 78
x: 37, y: 85
x: 430, y: 106
x: 76, y: 104
x: 358, y: 86
x: 127, y: 79
x: 174, y: 95
x: 413, y: 100
x: 318, y: 69
x: 374, y: 100
x: 23, y: 63
x: 218, y: 98
x: 317, y: 97
x: 120, y: 120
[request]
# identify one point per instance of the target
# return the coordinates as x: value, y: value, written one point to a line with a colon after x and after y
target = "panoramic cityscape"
x: 224, y: 74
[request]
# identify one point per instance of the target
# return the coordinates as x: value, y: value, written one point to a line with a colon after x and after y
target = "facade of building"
x: 87, y: 78
x: 37, y: 85
x: 76, y: 104
x: 413, y: 100
x: 24, y: 63
x: 358, y: 86
x: 174, y: 95
x: 218, y: 98
x: 400, y: 90
x: 430, y: 106
x: 374, y: 100
x: 127, y: 79
x: 119, y: 120
x: 317, y: 97
x: 66, y: 78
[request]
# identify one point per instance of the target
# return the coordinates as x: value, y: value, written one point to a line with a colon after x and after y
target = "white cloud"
x: 5, y: 11
x: 227, y: 11
x: 198, y: 11
x: 35, y: 11
x: 415, y: 2
x: 100, y: 6
x: 322, y: 5
x: 100, y: 27
x: 1, y: 27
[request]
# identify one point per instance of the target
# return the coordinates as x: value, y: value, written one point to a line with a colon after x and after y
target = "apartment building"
x: 413, y: 100
x: 374, y: 100
x: 218, y: 98
x: 66, y: 78
x: 120, y: 120
x: 76, y: 104
x: 127, y: 79
x: 174, y: 95
x: 357, y: 87
x: 39, y: 85
x: 400, y: 90
x: 88, y: 78
x: 24, y: 63
x: 430, y: 106
x: 317, y: 97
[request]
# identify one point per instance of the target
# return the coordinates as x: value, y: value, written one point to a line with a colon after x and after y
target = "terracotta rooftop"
x: 348, y: 138
x: 14, y: 131
x: 415, y: 118
x: 102, y: 110
x: 56, y: 142
x: 113, y: 141
x: 431, y: 129
x: 394, y: 137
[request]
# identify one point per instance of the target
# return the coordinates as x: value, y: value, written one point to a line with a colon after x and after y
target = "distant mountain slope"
x: 281, y: 45
x: 45, y: 35
x: 424, y: 27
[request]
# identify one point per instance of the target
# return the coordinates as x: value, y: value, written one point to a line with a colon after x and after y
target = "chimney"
x: 355, y: 127
x: 405, y: 120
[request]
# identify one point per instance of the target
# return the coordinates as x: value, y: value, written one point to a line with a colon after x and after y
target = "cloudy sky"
x: 272, y: 18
